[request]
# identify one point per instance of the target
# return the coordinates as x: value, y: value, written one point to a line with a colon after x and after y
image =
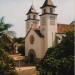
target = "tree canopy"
x: 7, y: 66
x: 21, y: 42
x: 6, y: 36
x: 3, y: 25
x: 59, y: 60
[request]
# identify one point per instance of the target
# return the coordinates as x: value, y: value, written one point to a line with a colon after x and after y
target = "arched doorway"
x: 31, y: 56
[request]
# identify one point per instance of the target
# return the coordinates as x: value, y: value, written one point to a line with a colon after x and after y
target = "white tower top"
x: 32, y: 10
x: 48, y: 3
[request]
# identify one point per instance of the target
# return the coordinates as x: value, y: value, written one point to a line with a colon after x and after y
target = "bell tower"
x: 48, y: 23
x: 31, y: 20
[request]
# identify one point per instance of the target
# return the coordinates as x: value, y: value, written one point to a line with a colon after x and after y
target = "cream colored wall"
x: 32, y: 16
x: 33, y: 23
x: 41, y: 45
x: 28, y: 25
x: 47, y: 9
x: 37, y: 46
x: 50, y: 31
x: 43, y: 21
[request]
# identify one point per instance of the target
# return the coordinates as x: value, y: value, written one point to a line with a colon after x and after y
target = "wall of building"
x: 37, y: 46
x: 48, y: 9
x: 49, y: 23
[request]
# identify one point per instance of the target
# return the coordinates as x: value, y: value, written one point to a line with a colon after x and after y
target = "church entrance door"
x: 32, y: 56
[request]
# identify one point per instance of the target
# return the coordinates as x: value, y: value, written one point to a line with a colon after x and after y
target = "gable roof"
x: 27, y: 33
x: 36, y: 31
x: 32, y: 10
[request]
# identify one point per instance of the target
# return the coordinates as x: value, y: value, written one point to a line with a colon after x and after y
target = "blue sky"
x: 14, y: 12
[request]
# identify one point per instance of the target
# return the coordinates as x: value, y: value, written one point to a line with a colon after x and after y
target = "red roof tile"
x: 62, y: 28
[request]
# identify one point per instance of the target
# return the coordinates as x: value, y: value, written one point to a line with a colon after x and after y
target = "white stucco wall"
x: 41, y: 45
x: 50, y: 30
x: 31, y: 23
x: 37, y: 46
x: 47, y: 9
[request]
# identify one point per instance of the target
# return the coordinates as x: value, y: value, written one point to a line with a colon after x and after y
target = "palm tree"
x: 4, y: 27
x: 6, y: 37
x: 6, y: 63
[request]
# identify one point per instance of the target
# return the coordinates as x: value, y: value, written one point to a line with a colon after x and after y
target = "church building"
x: 45, y: 32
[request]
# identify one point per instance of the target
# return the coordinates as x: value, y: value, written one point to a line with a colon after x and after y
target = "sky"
x: 15, y: 11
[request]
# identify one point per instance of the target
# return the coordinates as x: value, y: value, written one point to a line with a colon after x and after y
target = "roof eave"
x: 48, y: 13
x: 31, y: 13
x: 32, y: 19
x: 48, y: 6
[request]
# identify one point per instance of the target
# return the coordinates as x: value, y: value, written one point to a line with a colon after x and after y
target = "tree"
x: 6, y: 37
x: 21, y: 45
x: 7, y: 66
x: 59, y: 60
x: 3, y: 26
x: 21, y: 49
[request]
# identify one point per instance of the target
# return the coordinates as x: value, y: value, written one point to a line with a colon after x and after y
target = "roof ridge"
x: 32, y: 10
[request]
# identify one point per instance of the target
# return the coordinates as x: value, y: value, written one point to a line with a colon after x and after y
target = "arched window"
x: 31, y: 39
x: 44, y: 10
x: 32, y: 56
x: 51, y: 10
x: 34, y: 16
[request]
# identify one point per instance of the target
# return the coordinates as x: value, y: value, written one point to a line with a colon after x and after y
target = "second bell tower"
x: 48, y: 23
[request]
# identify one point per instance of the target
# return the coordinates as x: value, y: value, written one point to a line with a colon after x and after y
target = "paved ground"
x: 31, y: 70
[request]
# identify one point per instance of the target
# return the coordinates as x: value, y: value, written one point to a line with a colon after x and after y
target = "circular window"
x: 31, y: 39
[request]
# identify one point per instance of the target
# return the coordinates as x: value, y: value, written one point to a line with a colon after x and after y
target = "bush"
x: 59, y: 60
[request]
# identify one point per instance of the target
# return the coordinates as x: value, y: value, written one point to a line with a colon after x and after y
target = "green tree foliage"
x: 6, y: 39
x: 7, y: 66
x: 3, y: 26
x: 60, y: 59
x: 21, y: 48
x: 19, y: 40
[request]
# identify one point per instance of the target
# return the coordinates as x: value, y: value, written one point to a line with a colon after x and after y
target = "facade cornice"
x: 32, y: 19
x: 48, y: 14
x: 48, y: 6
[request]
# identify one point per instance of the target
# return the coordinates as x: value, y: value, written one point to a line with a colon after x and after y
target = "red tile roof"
x: 62, y: 28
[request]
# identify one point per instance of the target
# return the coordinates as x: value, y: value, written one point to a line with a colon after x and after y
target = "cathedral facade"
x: 43, y: 33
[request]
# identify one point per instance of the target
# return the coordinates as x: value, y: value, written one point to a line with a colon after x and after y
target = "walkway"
x: 31, y: 70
